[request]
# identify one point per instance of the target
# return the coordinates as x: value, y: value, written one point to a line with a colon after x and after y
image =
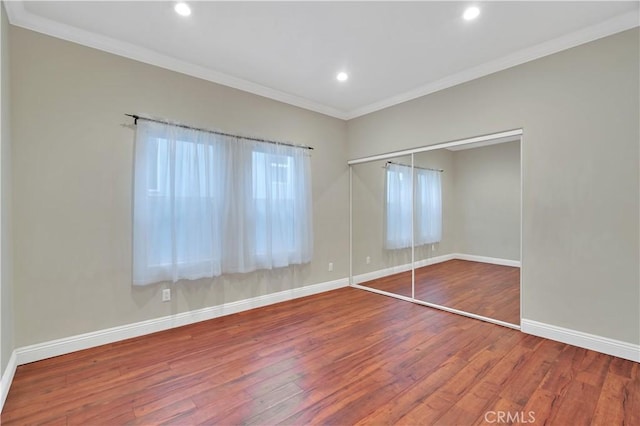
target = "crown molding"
x: 606, y: 28
x: 20, y: 17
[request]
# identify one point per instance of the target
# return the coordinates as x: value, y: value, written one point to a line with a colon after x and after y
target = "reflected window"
x: 399, y: 206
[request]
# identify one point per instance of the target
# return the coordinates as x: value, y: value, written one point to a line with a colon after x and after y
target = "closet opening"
x: 441, y: 225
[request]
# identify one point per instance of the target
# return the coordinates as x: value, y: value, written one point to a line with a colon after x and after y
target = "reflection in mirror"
x: 381, y: 200
x: 467, y: 229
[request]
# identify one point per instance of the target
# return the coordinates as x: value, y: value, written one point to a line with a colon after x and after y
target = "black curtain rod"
x: 415, y: 167
x: 137, y: 117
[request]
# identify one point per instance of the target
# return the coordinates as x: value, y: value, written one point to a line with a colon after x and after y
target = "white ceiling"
x: 291, y: 51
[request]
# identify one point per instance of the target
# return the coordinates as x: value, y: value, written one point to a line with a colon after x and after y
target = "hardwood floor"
x: 480, y: 288
x: 342, y: 357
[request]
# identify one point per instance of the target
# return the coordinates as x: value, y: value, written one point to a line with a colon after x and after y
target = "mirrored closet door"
x: 381, y: 203
x: 457, y: 247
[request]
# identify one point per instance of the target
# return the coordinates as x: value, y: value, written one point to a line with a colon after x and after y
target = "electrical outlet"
x: 166, y: 294
x: 368, y: 260
x: 330, y: 266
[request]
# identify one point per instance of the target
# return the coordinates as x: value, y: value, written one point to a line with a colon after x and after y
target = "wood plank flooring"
x: 343, y: 357
x: 480, y: 288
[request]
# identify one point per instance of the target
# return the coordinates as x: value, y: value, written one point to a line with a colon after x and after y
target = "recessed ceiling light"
x: 342, y: 76
x: 182, y: 9
x: 471, y: 13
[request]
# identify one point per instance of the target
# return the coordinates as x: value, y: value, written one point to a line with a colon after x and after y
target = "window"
x: 399, y: 203
x: 274, y: 197
x: 206, y: 204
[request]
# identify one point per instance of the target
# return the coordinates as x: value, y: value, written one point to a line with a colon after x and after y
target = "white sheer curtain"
x: 428, y: 214
x: 399, y: 203
x: 398, y: 206
x: 206, y: 204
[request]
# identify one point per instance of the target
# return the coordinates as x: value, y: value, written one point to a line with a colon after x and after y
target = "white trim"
x: 350, y: 225
x: 500, y: 137
x: 385, y: 272
x: 373, y: 275
x: 19, y: 16
x: 506, y: 135
x: 79, y: 342
x: 434, y: 260
x: 593, y: 342
x: 425, y: 262
x: 2, y: 201
x: 485, y: 259
x: 368, y: 276
x: 468, y: 314
x: 609, y: 27
x: 7, y: 378
x: 413, y: 236
x: 384, y: 293
x: 521, y: 224
x: 70, y: 344
x: 486, y: 143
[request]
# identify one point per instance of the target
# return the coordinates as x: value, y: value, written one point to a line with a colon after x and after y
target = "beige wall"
x: 6, y: 255
x: 72, y: 160
x: 72, y: 184
x: 487, y: 201
x: 580, y: 114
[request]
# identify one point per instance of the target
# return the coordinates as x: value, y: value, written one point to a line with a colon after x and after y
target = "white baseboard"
x: 70, y: 344
x: 7, y: 378
x: 485, y: 259
x: 601, y: 344
x: 434, y: 260
x: 368, y: 276
x: 88, y: 340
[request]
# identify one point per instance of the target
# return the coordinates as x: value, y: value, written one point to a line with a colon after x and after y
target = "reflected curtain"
x: 398, y: 206
x: 428, y: 215
x: 399, y: 202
